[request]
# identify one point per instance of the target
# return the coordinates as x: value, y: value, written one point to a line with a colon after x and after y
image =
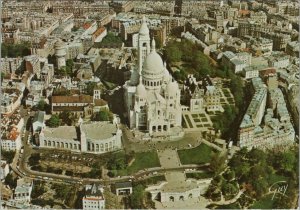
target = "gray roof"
x: 123, y: 185
x: 93, y: 190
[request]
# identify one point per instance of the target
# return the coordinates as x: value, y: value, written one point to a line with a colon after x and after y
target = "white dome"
x: 144, y: 30
x: 172, y: 88
x: 141, y: 91
x: 153, y: 64
x: 166, y: 74
x: 59, y: 43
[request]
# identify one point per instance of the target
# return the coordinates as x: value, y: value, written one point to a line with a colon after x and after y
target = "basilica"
x: 152, y: 97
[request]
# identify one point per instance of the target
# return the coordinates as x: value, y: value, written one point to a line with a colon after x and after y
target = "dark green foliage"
x: 229, y: 190
x: 229, y: 175
x: 259, y: 170
x: 117, y: 161
x: 90, y: 88
x: 62, y: 191
x: 194, y: 59
x: 102, y: 115
x: 42, y: 105
x: 260, y: 187
x: 286, y: 161
x: 217, y: 163
x: 224, y: 121
x: 158, y: 43
x: 136, y: 198
x: 38, y: 189
x: 94, y: 173
x: 180, y: 75
x: 8, y: 155
x: 9, y: 180
x: 15, y: 50
x: 111, y: 39
x: 53, y: 122
x: 68, y: 118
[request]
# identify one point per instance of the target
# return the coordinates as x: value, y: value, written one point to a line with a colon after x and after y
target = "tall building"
x: 152, y: 98
x: 60, y: 53
x: 93, y: 199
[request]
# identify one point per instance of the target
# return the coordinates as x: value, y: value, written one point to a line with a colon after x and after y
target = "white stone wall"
x: 93, y: 204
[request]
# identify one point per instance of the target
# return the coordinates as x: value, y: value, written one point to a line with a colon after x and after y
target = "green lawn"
x: 202, y: 115
x: 264, y: 203
x: 195, y: 115
x: 197, y: 120
x: 197, y: 155
x: 142, y: 160
x: 187, y: 117
x: 204, y: 119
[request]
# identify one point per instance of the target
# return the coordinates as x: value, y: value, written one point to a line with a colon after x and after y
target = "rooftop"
x: 99, y: 130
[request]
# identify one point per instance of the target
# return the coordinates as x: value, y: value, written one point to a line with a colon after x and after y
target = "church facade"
x: 152, y: 97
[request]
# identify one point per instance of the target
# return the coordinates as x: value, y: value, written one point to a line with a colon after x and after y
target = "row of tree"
x: 71, y: 118
x: 15, y: 50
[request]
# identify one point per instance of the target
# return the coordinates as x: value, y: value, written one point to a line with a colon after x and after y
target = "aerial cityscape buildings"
x: 130, y: 104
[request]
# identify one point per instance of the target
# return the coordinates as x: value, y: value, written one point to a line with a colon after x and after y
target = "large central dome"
x: 153, y: 64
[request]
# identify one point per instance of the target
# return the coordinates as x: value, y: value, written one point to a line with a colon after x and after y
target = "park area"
x: 198, y: 155
x: 139, y: 162
x: 89, y: 165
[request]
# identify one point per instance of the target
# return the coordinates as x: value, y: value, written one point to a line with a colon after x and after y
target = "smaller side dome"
x: 172, y: 88
x: 141, y: 91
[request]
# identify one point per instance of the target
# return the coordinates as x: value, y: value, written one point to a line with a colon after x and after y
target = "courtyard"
x: 196, y: 121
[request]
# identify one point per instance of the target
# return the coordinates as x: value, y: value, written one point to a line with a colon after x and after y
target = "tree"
x: 111, y: 39
x: 136, y: 198
x: 54, y: 121
x: 173, y: 52
x: 158, y: 43
x: 217, y: 163
x: 8, y: 155
x: 69, y: 118
x: 287, y: 161
x: 102, y: 115
x: 229, y: 175
x: 256, y: 155
x: 242, y: 169
x: 90, y: 86
x: 15, y: 50
x: 257, y: 171
x: 229, y: 189
x: 9, y: 180
x: 38, y: 189
x: 260, y: 187
x: 41, y: 105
